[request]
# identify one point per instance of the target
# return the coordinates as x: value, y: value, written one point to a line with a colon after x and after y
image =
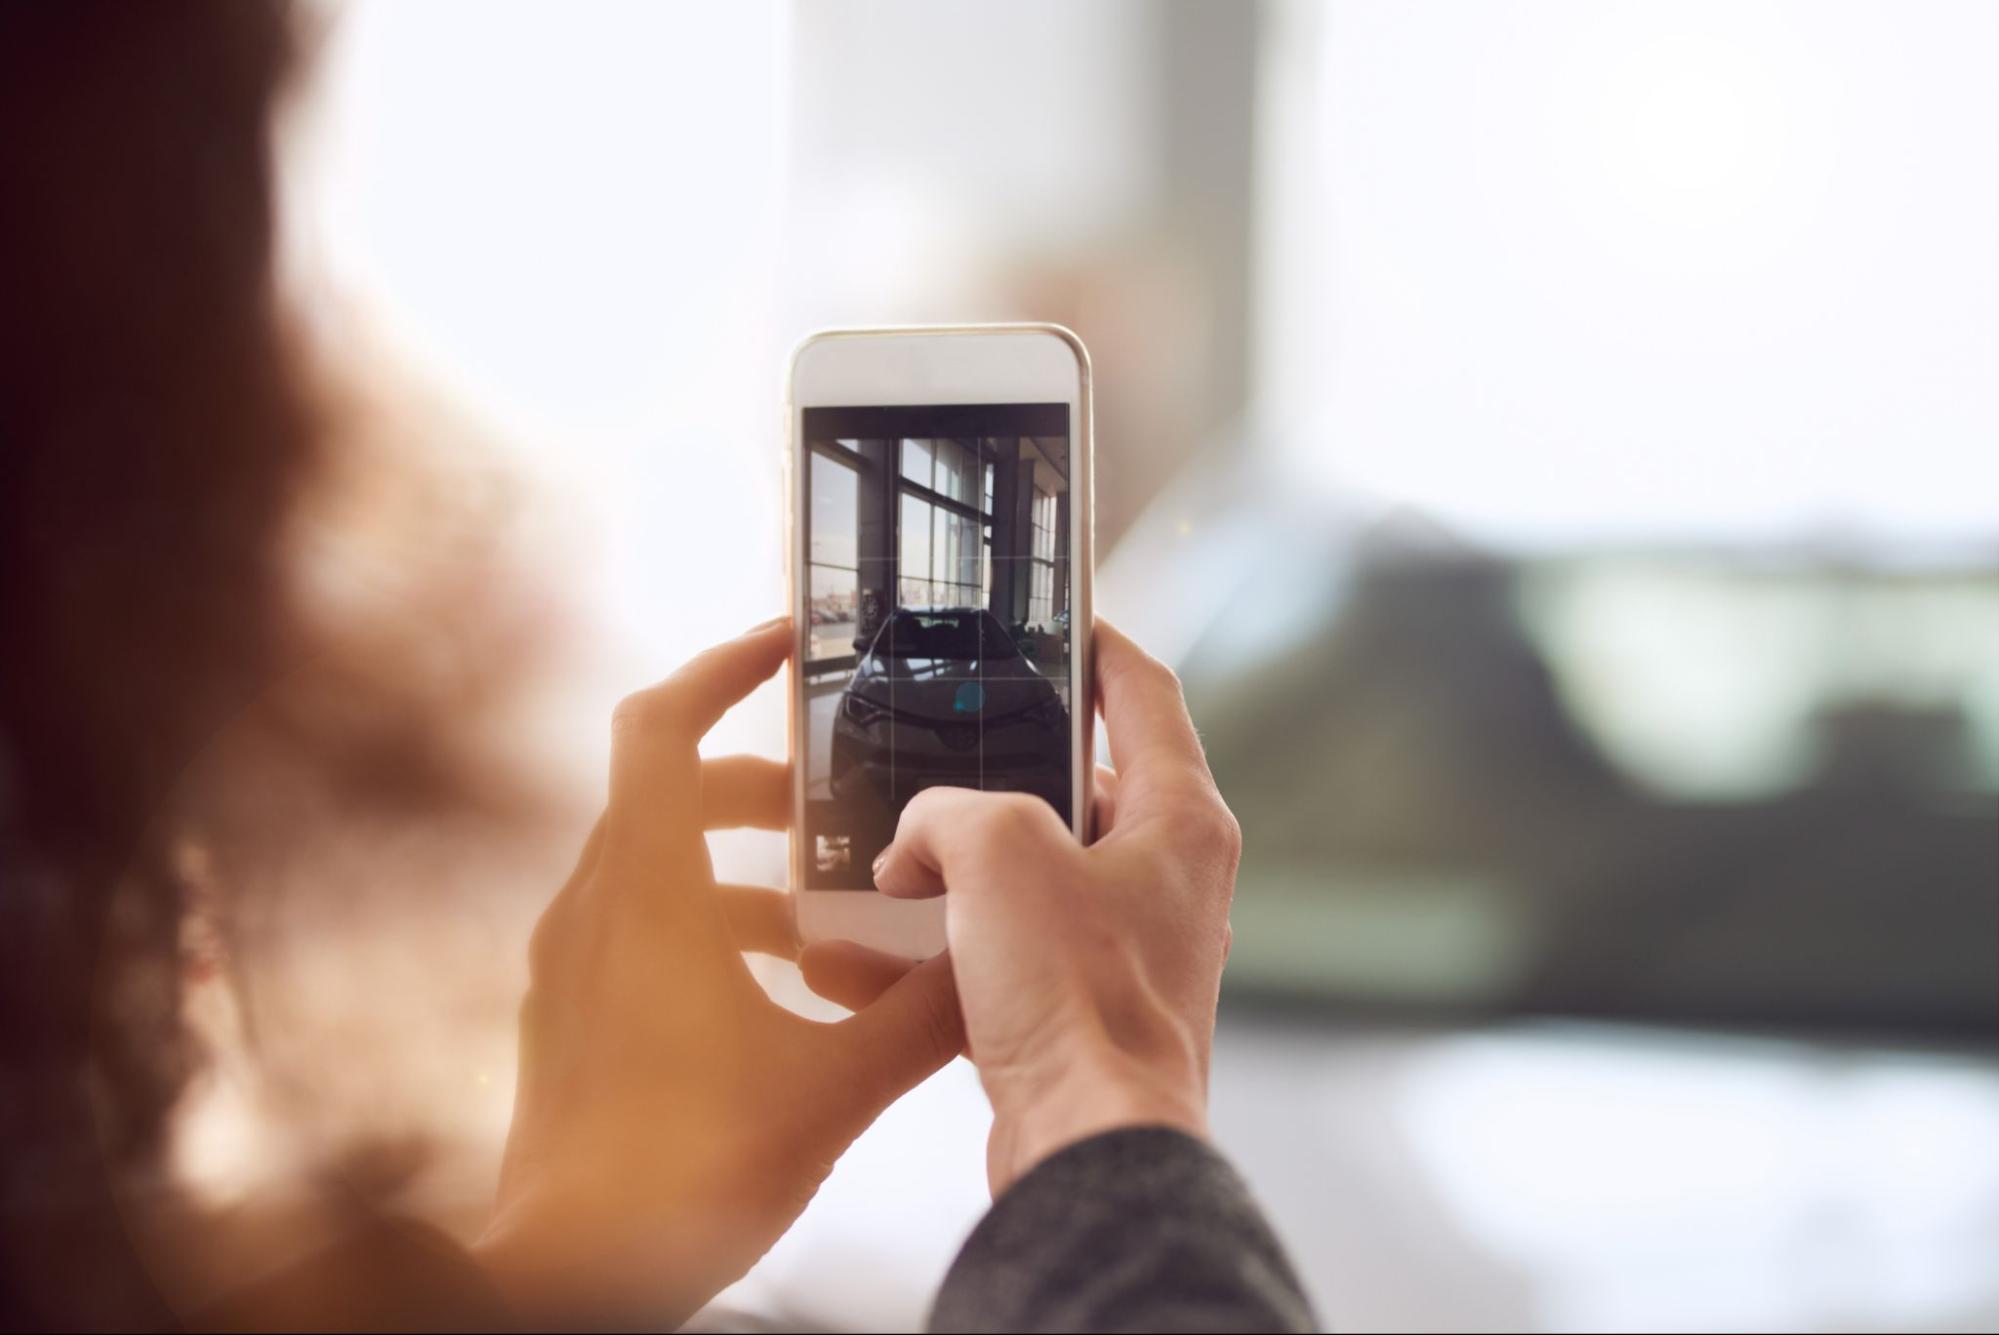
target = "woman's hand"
x: 1088, y: 976
x: 671, y: 1121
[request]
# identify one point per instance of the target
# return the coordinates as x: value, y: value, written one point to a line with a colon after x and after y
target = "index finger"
x: 655, y: 733
x: 1152, y: 738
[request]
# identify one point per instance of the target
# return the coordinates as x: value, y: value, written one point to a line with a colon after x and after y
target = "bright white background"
x: 1572, y: 271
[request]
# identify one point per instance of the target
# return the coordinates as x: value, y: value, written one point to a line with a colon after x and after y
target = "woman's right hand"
x: 1088, y: 977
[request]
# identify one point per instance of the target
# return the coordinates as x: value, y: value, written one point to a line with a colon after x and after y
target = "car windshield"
x: 958, y: 635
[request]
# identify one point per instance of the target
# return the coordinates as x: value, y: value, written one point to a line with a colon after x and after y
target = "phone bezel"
x: 915, y: 364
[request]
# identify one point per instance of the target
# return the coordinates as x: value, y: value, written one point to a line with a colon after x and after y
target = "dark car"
x: 945, y: 697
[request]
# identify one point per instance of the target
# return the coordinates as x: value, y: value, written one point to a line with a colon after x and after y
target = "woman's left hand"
x: 671, y: 1120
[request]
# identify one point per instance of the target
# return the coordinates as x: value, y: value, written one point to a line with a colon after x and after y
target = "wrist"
x: 1034, y: 1119
x: 552, y: 1268
x: 534, y: 1278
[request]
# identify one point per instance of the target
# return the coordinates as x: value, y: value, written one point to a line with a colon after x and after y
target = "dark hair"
x: 152, y: 431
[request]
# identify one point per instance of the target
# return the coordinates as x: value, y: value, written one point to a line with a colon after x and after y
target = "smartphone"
x: 940, y: 563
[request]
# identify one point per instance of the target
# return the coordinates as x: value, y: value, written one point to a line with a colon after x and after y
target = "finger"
x: 910, y: 868
x: 760, y: 920
x: 740, y: 792
x: 655, y: 770
x: 906, y: 873
x: 1152, y: 738
x: 1103, y: 802
x: 851, y: 974
x: 943, y: 830
x: 913, y: 1029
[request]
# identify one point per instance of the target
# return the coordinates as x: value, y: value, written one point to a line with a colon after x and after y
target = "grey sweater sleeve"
x: 1146, y: 1229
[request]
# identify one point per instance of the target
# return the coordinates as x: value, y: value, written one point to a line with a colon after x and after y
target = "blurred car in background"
x: 1753, y: 790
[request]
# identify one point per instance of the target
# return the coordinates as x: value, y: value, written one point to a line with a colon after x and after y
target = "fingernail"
x: 881, y: 860
x: 771, y: 624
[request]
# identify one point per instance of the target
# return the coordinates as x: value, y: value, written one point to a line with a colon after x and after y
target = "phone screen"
x: 937, y: 578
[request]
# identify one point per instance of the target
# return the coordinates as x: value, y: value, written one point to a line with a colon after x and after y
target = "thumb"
x: 910, y: 1031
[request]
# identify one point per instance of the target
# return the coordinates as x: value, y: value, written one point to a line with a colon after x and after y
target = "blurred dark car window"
x: 1706, y: 788
x: 961, y: 635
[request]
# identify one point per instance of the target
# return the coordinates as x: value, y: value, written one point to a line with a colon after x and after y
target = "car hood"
x: 929, y: 687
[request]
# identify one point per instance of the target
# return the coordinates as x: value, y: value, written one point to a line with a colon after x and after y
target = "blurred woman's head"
x: 153, y: 425
x: 151, y: 431
x: 162, y: 436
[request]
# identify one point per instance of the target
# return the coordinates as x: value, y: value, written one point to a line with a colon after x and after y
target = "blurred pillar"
x: 1207, y: 93
x: 1165, y: 307
x: 1104, y: 178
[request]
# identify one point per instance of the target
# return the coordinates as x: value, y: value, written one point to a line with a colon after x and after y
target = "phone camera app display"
x: 938, y: 593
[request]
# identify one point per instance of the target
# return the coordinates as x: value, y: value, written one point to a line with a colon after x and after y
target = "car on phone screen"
x: 944, y: 697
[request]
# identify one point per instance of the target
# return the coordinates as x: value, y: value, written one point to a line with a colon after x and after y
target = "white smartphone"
x: 940, y: 563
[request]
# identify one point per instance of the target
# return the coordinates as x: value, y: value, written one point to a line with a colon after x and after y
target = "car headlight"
x: 862, y: 712
x: 1049, y: 713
